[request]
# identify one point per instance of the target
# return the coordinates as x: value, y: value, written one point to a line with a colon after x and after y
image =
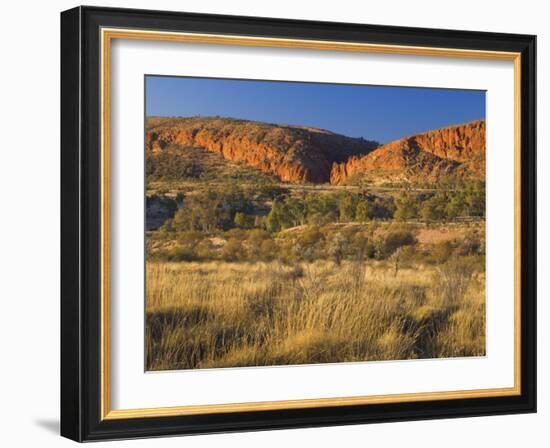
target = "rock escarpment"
x: 452, y: 151
x: 292, y: 153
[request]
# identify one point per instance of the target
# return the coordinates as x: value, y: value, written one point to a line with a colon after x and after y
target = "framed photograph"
x: 277, y: 224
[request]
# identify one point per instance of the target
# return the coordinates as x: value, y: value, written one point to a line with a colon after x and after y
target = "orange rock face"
x: 447, y: 151
x: 293, y: 154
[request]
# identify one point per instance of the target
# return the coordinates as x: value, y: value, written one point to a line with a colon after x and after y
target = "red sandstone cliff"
x: 453, y: 150
x: 293, y: 154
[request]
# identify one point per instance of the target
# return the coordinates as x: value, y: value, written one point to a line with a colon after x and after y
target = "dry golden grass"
x: 217, y: 314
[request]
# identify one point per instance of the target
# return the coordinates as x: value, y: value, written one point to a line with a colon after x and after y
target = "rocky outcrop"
x: 455, y: 150
x: 292, y: 153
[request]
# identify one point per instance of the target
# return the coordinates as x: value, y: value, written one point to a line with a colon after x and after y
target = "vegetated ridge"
x: 455, y: 150
x: 303, y: 154
x: 291, y: 153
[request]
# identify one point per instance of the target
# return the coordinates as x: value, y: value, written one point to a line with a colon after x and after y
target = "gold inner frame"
x: 107, y: 35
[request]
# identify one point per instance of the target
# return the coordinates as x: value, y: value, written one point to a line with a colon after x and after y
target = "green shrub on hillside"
x: 406, y: 207
x: 347, y: 205
x: 434, y: 209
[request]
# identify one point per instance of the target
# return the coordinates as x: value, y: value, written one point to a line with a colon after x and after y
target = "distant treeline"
x: 273, y: 208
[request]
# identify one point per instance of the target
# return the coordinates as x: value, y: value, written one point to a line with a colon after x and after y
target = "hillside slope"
x: 455, y: 150
x: 291, y: 153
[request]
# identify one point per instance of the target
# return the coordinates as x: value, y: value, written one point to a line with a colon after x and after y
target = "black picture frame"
x: 81, y: 224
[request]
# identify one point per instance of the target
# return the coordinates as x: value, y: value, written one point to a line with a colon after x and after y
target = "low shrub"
x: 390, y: 242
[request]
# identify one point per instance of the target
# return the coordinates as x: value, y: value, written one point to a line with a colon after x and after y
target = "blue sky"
x: 373, y: 112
